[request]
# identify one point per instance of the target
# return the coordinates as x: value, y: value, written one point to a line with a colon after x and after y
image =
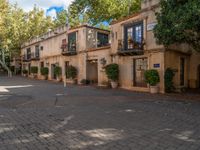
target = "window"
x: 102, y: 39
x: 133, y: 36
x: 37, y: 51
x: 72, y: 41
x: 28, y: 53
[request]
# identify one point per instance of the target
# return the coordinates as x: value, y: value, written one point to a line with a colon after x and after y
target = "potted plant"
x: 34, y: 71
x: 152, y: 78
x: 25, y: 72
x: 44, y: 72
x: 85, y: 82
x: 112, y: 72
x: 58, y: 72
x: 71, y: 73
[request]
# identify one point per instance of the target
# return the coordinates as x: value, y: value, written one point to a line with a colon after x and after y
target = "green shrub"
x: 44, y: 71
x: 25, y: 71
x: 34, y: 69
x: 169, y: 75
x: 71, y: 72
x: 152, y: 77
x: 85, y: 81
x: 57, y: 71
x: 112, y: 72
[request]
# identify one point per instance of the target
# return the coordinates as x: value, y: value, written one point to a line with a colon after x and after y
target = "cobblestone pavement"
x: 87, y: 118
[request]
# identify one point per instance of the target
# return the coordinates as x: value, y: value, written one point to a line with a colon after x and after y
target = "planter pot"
x: 25, y: 75
x: 44, y: 77
x: 114, y: 84
x: 58, y: 79
x: 71, y: 81
x: 154, y: 89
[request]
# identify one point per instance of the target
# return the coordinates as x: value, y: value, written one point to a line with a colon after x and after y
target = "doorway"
x: 140, y: 66
x: 53, y: 76
x: 92, y: 71
x: 182, y: 71
x: 29, y: 69
x: 198, y: 76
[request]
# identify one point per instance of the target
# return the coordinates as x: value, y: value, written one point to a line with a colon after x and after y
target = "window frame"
x: 103, y: 43
x: 133, y: 27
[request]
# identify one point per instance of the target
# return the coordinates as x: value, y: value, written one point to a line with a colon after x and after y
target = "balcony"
x: 69, y: 50
x: 130, y: 48
x: 26, y: 58
x: 35, y: 56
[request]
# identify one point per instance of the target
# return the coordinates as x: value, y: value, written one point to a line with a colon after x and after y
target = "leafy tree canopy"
x: 97, y: 11
x: 17, y: 26
x: 179, y: 22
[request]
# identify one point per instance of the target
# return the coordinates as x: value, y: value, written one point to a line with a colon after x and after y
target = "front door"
x: 53, y: 76
x: 92, y: 71
x: 182, y: 71
x: 29, y: 69
x: 199, y: 76
x: 140, y: 66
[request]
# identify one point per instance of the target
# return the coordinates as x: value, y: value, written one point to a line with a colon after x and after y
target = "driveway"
x: 43, y: 115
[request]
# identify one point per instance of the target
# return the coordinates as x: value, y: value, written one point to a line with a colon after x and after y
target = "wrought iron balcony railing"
x: 130, y: 47
x: 35, y: 56
x: 69, y: 50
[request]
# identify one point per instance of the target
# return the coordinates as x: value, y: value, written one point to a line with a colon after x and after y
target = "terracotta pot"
x: 71, y: 81
x: 58, y: 79
x: 114, y: 84
x: 154, y: 89
x: 44, y: 77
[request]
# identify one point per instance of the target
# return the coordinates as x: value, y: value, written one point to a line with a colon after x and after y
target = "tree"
x: 17, y: 27
x: 99, y: 11
x: 179, y: 22
x: 61, y: 18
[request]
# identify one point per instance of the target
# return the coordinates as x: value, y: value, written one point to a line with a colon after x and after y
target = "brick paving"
x: 88, y: 118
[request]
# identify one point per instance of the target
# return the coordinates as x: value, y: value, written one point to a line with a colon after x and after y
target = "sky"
x: 50, y: 6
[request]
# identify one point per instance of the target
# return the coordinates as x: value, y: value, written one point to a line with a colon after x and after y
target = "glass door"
x: 140, y: 66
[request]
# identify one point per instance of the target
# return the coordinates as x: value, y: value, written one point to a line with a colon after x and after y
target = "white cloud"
x: 44, y: 4
x: 52, y: 13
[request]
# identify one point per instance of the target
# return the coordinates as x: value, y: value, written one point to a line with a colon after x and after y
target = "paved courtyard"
x: 43, y: 115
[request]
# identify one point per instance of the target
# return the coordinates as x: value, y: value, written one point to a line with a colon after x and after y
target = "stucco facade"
x: 180, y: 58
x: 132, y: 46
x: 52, y: 49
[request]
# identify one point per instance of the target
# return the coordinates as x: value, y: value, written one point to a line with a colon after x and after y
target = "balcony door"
x: 133, y: 36
x: 140, y: 66
x: 72, y: 41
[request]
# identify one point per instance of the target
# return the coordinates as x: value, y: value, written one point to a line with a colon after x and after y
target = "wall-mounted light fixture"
x: 103, y: 61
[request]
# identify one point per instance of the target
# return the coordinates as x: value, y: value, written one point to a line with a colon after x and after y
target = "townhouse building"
x: 84, y: 47
x: 131, y: 44
x: 135, y: 49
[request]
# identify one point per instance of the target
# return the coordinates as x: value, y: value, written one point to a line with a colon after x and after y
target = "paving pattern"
x: 88, y: 118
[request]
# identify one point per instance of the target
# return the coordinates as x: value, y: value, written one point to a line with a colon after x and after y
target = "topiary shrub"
x: 34, y: 69
x: 152, y: 77
x: 44, y: 71
x: 112, y: 72
x: 71, y: 72
x: 57, y: 71
x: 169, y: 75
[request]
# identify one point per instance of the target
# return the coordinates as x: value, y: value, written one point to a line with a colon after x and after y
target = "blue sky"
x: 50, y: 6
